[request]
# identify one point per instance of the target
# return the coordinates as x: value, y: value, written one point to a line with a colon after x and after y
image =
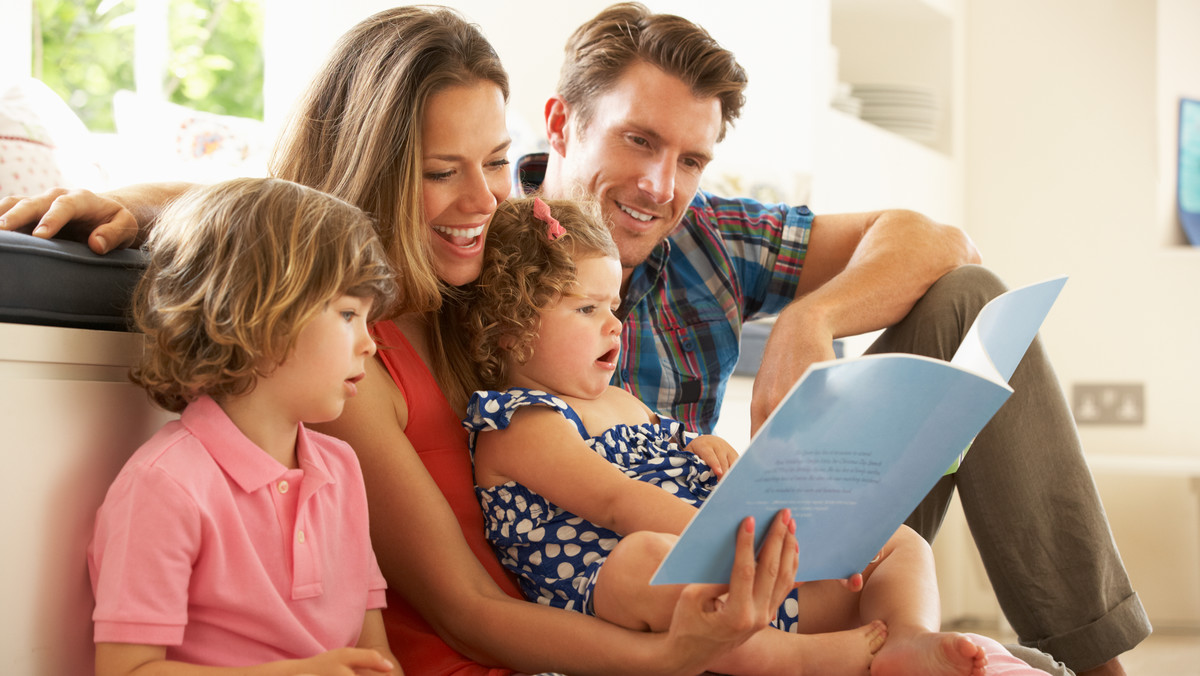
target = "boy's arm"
x: 374, y: 637
x: 543, y: 451
x: 128, y: 659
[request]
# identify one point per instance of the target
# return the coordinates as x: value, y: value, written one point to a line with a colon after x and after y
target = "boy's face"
x: 326, y: 363
x: 579, y: 337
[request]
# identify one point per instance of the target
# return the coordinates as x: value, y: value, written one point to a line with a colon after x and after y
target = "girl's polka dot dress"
x: 554, y: 553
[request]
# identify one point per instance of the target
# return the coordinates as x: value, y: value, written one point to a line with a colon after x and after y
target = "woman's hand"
x: 715, y: 452
x: 102, y: 222
x: 711, y: 620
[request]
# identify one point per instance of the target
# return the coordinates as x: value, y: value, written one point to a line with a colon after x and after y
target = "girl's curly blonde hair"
x: 236, y: 270
x: 523, y: 272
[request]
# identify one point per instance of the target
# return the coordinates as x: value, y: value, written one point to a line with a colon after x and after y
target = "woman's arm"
x: 542, y: 450
x: 112, y: 220
x: 424, y: 557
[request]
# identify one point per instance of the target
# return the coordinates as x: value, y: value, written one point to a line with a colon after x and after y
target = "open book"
x: 857, y: 444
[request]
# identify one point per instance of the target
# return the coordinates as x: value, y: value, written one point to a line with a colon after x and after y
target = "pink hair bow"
x: 541, y: 211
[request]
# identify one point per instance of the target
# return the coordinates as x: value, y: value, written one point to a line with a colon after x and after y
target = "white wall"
x: 1069, y: 154
x: 1071, y: 132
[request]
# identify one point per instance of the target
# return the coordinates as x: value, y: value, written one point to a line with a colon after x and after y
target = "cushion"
x: 62, y: 283
x: 43, y: 144
x: 165, y: 141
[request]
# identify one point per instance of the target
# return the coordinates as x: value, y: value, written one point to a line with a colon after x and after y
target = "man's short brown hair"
x: 600, y: 51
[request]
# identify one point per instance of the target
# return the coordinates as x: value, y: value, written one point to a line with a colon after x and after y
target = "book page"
x: 857, y: 444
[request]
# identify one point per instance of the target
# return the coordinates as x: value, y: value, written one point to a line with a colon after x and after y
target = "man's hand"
x: 797, y: 341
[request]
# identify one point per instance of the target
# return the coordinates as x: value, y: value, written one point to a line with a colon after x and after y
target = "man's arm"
x: 113, y: 220
x: 862, y: 272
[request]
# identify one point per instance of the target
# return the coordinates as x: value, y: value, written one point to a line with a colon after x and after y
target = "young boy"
x: 236, y: 537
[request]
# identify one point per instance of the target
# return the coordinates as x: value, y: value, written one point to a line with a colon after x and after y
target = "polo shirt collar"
x: 248, y: 465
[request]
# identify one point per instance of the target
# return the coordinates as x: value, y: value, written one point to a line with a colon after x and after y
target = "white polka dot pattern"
x: 554, y: 553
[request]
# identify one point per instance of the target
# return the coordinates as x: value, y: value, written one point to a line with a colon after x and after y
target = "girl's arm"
x: 543, y: 451
x: 424, y: 557
x: 127, y: 659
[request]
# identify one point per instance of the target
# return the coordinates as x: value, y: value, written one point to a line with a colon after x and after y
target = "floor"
x: 1165, y: 653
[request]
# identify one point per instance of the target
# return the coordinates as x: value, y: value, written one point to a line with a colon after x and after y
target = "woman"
x: 406, y: 120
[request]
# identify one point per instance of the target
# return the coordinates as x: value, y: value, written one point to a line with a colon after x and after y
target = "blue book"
x: 857, y: 444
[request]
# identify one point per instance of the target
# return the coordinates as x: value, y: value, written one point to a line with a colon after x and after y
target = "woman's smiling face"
x: 465, y: 174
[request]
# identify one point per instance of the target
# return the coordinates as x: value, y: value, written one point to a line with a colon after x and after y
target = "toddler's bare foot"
x: 930, y: 654
x: 771, y: 652
x: 842, y: 652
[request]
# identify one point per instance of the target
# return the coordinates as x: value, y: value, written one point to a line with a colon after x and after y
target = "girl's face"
x: 465, y: 174
x: 579, y: 337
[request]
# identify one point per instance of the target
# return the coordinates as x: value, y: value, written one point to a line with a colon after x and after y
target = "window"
x: 204, y: 54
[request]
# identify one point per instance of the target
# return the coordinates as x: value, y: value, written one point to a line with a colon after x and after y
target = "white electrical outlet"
x: 1109, y: 403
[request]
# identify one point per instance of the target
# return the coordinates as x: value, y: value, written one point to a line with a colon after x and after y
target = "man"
x: 642, y: 101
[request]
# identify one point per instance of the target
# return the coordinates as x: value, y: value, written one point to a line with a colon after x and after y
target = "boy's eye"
x: 587, y: 309
x: 349, y: 315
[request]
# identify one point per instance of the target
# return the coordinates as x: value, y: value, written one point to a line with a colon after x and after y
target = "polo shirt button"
x: 300, y: 536
x: 688, y: 345
x: 283, y: 487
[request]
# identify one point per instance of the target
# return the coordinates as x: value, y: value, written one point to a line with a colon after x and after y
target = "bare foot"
x: 842, y: 652
x: 771, y: 652
x: 930, y: 654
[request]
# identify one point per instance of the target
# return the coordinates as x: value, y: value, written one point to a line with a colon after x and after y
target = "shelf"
x: 903, y: 42
x: 862, y: 167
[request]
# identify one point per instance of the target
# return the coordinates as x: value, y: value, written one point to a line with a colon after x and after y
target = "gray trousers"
x: 1028, y: 496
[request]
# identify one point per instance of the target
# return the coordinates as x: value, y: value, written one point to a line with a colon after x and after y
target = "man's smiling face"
x: 641, y: 154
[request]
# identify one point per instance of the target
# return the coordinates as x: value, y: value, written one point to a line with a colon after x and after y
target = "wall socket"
x: 1109, y: 403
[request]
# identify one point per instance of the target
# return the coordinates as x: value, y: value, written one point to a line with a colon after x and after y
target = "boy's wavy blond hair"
x: 524, y: 272
x: 236, y: 270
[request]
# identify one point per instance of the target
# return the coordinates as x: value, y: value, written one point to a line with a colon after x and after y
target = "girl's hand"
x: 715, y: 452
x: 346, y: 662
x: 74, y: 214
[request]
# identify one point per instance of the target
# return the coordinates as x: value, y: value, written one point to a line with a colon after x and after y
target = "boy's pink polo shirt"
x: 207, y: 545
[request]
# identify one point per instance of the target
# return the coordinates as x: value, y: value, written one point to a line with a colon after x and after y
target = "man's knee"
x: 969, y: 286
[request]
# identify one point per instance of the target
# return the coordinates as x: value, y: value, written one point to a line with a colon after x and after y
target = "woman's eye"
x: 499, y: 164
x: 438, y: 175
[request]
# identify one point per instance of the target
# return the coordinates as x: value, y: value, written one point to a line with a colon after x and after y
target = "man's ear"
x: 557, y: 127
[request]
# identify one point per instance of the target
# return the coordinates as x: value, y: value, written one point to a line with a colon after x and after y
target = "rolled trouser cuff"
x: 1093, y: 644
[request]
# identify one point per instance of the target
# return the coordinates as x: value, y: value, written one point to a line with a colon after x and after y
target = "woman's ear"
x: 558, y: 114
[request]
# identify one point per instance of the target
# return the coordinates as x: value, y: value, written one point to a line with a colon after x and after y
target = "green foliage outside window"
x: 84, y: 54
x: 84, y: 49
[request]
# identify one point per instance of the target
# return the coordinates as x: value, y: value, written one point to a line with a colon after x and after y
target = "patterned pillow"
x: 174, y: 142
x: 28, y: 158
